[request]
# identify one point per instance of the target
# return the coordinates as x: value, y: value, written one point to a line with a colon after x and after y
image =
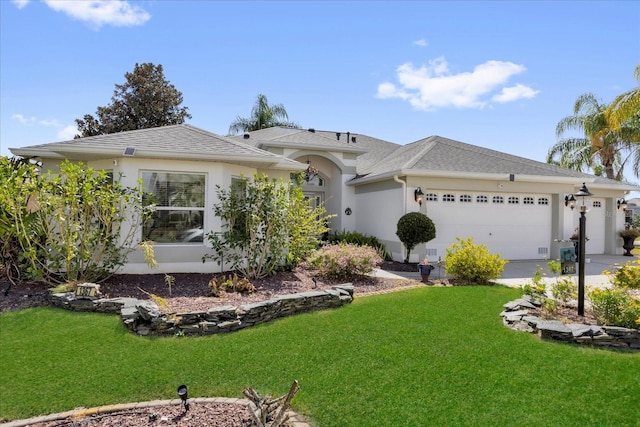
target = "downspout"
x: 404, y: 204
x: 404, y: 192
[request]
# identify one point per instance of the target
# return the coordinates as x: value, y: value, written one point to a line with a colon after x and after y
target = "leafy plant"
x: 615, y: 306
x: 414, y: 228
x: 360, y: 239
x: 344, y: 261
x: 564, y: 290
x: 20, y: 235
x: 628, y: 276
x: 538, y: 287
x: 230, y: 283
x: 472, y: 263
x: 79, y: 224
x: 265, y: 223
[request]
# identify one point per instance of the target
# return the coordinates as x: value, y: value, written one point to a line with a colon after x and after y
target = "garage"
x: 515, y: 226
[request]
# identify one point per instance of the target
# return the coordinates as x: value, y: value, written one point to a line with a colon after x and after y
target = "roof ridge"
x: 427, y: 145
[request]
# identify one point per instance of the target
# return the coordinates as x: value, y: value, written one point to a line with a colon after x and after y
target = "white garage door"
x: 515, y: 226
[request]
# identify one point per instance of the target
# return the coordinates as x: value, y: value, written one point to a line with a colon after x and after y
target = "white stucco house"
x: 513, y: 205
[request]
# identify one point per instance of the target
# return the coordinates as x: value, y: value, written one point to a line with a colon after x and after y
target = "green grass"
x: 426, y: 356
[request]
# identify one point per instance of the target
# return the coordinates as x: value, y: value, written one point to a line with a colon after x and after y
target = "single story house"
x: 514, y: 205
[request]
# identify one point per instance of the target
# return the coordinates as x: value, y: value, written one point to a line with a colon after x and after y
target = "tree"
x: 263, y: 116
x: 610, y: 148
x: 625, y: 107
x: 145, y: 100
x: 414, y: 228
x: 266, y: 223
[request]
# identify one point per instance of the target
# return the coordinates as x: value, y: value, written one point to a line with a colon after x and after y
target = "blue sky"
x: 495, y: 74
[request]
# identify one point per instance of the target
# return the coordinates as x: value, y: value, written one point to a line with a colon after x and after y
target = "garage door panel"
x: 513, y: 231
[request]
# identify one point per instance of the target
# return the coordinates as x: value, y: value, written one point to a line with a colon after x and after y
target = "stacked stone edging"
x: 144, y: 318
x: 516, y: 316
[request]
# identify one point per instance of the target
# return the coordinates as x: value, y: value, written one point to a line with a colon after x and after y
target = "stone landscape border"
x: 143, y: 317
x: 296, y: 420
x: 516, y: 316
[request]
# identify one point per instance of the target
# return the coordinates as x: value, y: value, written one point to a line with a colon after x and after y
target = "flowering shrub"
x: 344, y: 261
x: 472, y: 263
x: 615, y: 306
x: 628, y: 276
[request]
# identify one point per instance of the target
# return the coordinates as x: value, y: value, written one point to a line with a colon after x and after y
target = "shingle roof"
x: 176, y: 142
x: 289, y: 137
x: 436, y: 153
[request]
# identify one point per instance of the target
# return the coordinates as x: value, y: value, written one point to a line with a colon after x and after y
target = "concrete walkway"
x: 518, y: 273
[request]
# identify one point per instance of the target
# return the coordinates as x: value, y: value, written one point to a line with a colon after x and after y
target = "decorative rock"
x: 144, y: 318
x: 613, y: 337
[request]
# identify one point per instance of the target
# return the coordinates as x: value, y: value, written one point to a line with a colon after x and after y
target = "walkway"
x: 519, y: 272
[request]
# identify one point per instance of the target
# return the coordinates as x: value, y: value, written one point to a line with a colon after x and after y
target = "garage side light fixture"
x: 570, y: 201
x: 622, y: 204
x: 418, y: 195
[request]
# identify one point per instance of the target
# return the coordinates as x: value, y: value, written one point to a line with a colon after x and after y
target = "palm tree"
x: 625, y: 107
x: 602, y: 147
x: 263, y: 116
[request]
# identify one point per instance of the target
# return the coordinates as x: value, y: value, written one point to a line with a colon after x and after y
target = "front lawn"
x: 427, y: 356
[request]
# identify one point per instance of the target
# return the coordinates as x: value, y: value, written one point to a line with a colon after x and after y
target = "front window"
x: 179, y: 200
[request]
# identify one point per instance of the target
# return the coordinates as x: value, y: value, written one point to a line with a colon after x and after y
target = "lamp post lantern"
x: 582, y: 193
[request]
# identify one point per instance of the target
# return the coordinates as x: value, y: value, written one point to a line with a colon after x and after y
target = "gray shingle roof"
x: 307, y: 139
x: 176, y: 142
x: 436, y: 153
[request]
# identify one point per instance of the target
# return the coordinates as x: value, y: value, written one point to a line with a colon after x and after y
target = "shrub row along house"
x: 514, y: 205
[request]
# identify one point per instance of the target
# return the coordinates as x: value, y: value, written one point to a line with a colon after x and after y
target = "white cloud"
x: 514, y: 93
x: 64, y: 132
x: 101, y: 12
x: 53, y: 123
x: 22, y: 119
x: 20, y: 4
x: 68, y: 133
x: 421, y: 43
x: 433, y: 86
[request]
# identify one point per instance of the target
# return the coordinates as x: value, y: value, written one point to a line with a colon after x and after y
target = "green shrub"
x: 628, y: 276
x: 414, y: 228
x: 360, y: 239
x: 537, y: 288
x: 344, y: 261
x: 472, y: 263
x: 615, y: 306
x: 267, y: 225
x: 564, y: 289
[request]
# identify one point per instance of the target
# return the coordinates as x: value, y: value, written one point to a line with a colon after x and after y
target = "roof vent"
x: 338, y: 136
x: 348, y: 136
x: 129, y: 151
x: 312, y: 130
x: 246, y: 136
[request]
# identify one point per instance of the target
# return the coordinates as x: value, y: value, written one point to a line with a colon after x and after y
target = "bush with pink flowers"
x: 344, y: 261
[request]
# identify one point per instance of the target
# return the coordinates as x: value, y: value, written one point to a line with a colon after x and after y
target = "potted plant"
x: 629, y: 235
x: 425, y: 270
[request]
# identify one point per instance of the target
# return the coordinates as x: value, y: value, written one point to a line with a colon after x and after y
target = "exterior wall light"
x: 570, y: 201
x: 622, y: 204
x: 418, y: 195
x: 184, y: 396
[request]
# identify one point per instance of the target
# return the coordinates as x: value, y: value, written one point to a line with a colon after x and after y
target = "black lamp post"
x: 570, y: 200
